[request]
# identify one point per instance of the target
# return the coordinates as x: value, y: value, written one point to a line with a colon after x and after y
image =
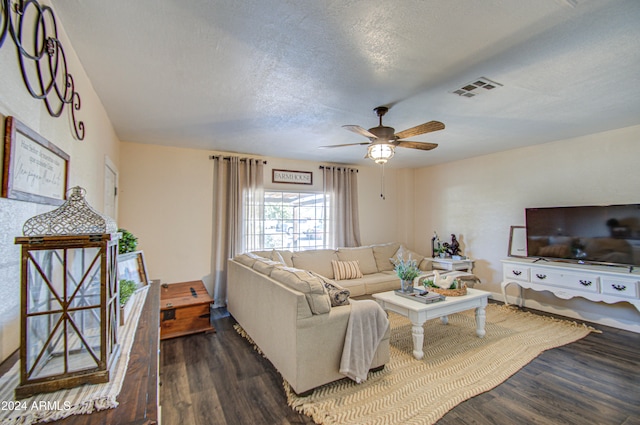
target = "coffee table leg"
x: 444, y: 320
x: 480, y: 321
x: 417, y: 332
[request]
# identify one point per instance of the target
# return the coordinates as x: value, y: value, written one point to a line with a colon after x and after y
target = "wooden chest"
x: 184, y: 309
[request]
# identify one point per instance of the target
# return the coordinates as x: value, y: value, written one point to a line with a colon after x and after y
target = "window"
x: 288, y: 220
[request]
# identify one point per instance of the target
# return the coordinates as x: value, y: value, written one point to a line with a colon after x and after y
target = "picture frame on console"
x: 131, y: 266
x: 518, y: 242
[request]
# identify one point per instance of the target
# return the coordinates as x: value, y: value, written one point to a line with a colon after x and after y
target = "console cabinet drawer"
x: 574, y: 281
x: 627, y: 288
x: 516, y: 272
x: 593, y: 282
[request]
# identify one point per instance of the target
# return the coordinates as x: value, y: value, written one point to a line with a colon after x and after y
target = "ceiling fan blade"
x: 427, y: 127
x: 341, y: 146
x: 360, y: 130
x: 416, y: 145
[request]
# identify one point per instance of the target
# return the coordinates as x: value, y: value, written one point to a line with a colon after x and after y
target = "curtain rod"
x: 226, y: 158
x: 322, y: 167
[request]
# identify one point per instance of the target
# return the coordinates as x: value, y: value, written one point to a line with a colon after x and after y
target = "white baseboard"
x: 574, y: 314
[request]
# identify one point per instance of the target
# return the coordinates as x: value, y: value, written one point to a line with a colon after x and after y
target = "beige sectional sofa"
x: 280, y: 299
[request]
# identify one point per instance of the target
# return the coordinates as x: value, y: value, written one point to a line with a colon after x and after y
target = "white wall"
x: 480, y: 198
x: 86, y: 168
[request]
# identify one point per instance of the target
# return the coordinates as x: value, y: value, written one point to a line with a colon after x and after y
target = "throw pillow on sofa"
x: 303, y: 281
x: 344, y: 270
x: 337, y: 294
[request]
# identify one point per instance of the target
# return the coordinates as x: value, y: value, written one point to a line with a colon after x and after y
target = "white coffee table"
x: 418, y: 313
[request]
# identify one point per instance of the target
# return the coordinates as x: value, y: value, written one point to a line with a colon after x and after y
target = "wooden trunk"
x: 184, y: 309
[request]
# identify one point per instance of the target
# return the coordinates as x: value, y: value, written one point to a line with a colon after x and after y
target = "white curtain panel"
x: 238, y: 196
x: 341, y: 206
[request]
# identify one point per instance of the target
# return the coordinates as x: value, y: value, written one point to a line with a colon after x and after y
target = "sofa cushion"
x: 426, y: 265
x: 363, y: 254
x: 380, y: 282
x: 318, y: 260
x: 263, y: 254
x: 338, y: 294
x: 383, y: 254
x: 343, y: 270
x: 284, y: 256
x: 245, y: 259
x: 266, y: 266
x: 307, y: 283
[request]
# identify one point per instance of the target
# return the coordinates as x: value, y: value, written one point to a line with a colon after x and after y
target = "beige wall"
x: 86, y: 168
x: 166, y: 201
x: 480, y: 198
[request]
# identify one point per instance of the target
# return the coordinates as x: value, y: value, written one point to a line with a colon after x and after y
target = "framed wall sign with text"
x: 290, y: 176
x: 35, y: 169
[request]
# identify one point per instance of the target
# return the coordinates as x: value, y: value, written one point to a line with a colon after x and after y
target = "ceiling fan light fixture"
x: 381, y: 153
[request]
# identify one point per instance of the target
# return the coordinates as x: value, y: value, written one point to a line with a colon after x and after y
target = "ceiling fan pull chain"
x: 382, y: 185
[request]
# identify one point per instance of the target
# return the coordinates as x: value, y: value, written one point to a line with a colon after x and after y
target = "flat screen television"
x: 589, y: 234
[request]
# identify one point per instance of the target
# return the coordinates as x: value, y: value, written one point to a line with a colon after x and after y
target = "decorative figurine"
x: 454, y: 247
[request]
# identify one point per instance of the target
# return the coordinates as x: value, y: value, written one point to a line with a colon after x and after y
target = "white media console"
x: 608, y: 284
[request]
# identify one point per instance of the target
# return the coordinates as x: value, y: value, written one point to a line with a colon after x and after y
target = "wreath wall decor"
x: 33, y: 29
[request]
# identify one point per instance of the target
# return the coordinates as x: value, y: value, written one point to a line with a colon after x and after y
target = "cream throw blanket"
x: 367, y: 326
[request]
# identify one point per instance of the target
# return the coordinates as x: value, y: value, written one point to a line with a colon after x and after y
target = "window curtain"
x: 340, y: 186
x: 238, y: 196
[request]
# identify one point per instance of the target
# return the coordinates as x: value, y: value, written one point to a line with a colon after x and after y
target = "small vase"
x: 406, y: 286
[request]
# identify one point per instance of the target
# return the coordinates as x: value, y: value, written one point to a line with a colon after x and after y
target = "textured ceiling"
x: 280, y: 78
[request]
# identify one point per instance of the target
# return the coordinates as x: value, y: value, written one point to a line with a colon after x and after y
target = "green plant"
x: 127, y: 288
x: 407, y: 269
x: 127, y: 242
x: 428, y: 283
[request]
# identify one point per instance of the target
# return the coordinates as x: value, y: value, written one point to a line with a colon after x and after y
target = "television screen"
x: 598, y: 234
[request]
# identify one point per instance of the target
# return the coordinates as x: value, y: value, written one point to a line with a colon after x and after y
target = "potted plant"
x: 441, y: 251
x: 407, y: 271
x: 127, y: 288
x: 127, y: 243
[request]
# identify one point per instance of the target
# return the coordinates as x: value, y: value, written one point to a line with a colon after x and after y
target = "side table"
x: 451, y: 264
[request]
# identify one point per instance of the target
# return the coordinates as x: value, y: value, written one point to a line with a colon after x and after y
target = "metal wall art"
x: 33, y: 29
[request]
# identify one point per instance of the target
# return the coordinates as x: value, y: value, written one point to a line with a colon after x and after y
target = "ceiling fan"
x: 383, y: 140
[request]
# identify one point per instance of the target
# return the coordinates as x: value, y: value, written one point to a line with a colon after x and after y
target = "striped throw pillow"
x: 346, y: 269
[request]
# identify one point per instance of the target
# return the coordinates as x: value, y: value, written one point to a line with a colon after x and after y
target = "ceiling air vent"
x: 476, y: 87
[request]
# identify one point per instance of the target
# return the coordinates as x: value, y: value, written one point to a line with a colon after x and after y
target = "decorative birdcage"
x: 69, y: 291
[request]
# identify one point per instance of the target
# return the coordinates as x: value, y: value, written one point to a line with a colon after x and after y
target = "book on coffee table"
x: 421, y: 295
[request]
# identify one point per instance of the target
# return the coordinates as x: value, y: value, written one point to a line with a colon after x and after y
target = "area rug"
x: 457, y: 366
x: 46, y: 407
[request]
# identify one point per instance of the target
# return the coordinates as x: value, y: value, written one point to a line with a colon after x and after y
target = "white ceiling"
x: 280, y: 78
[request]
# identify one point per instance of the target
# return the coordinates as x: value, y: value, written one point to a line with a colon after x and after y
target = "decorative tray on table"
x: 421, y: 295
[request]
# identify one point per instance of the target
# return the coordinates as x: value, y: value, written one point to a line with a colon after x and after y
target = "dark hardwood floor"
x: 218, y: 378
